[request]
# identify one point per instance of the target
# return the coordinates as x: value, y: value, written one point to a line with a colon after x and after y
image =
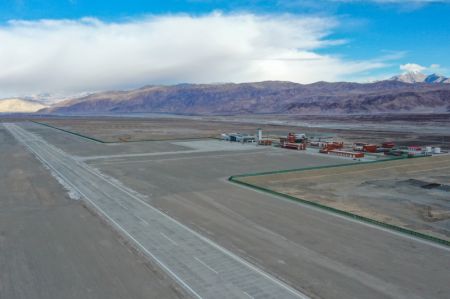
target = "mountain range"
x: 396, y: 95
x: 417, y: 77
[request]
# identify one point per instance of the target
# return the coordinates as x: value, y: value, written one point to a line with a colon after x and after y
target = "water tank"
x: 428, y: 149
x: 437, y: 150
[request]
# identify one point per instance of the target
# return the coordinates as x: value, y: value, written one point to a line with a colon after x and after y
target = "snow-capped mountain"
x: 417, y: 77
x: 434, y: 78
x: 267, y: 97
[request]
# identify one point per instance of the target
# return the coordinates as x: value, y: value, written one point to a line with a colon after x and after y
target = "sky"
x: 67, y: 47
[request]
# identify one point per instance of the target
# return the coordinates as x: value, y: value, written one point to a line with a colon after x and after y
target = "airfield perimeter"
x: 171, y: 201
x: 410, y: 193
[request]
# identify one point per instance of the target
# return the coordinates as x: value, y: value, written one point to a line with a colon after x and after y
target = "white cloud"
x: 417, y: 68
x: 412, y: 68
x: 71, y: 56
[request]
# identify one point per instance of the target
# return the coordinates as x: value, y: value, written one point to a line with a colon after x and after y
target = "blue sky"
x: 359, y: 40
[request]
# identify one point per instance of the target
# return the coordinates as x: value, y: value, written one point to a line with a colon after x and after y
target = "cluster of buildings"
x: 326, y: 145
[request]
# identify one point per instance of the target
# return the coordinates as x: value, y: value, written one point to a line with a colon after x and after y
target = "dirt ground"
x: 304, y: 247
x: 404, y: 131
x: 135, y: 129
x: 53, y: 247
x: 411, y: 193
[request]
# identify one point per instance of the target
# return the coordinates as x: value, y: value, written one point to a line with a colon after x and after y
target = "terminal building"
x: 239, y: 137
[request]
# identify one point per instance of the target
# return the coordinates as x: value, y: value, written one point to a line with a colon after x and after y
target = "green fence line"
x: 315, y: 167
x: 70, y: 132
x: 235, y: 179
x: 169, y: 139
x: 119, y: 142
x: 345, y: 213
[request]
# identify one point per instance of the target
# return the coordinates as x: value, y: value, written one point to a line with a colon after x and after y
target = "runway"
x: 203, y: 268
x: 318, y: 253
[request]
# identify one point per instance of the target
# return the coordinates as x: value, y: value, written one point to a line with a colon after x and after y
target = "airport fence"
x: 69, y: 132
x: 115, y: 142
x: 396, y: 228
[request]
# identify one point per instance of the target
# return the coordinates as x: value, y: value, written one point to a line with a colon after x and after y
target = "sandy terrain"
x: 136, y: 129
x: 315, y: 252
x: 412, y: 193
x: 402, y: 129
x: 52, y: 247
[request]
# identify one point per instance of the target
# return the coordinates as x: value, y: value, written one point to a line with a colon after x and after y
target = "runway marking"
x: 172, y: 241
x: 229, y: 154
x: 205, y: 264
x: 124, y: 207
x: 142, y: 220
x: 158, y: 261
x: 180, y: 152
x: 248, y: 294
x: 88, y: 158
x: 66, y: 167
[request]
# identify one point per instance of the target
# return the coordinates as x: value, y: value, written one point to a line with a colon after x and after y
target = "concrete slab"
x: 52, y: 247
x: 200, y: 266
x: 326, y: 255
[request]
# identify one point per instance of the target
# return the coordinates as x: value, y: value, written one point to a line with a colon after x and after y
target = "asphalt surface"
x: 321, y: 254
x: 52, y: 247
x: 376, y: 191
x: 203, y: 268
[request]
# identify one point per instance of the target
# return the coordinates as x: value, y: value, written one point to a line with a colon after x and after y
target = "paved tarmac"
x: 321, y: 254
x: 324, y: 255
x: 203, y: 268
x: 52, y: 247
